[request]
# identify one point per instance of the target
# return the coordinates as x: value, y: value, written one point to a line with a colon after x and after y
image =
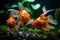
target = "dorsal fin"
x: 22, y: 7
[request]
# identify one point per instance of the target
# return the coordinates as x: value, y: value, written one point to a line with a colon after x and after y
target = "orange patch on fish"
x: 11, y: 21
x: 25, y: 15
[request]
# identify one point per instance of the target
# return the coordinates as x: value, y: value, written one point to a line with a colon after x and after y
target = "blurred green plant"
x: 45, y: 36
x: 29, y: 10
x: 8, y: 6
x: 57, y: 16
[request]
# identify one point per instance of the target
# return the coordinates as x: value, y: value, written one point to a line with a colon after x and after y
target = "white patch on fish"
x: 53, y: 21
x: 20, y: 8
x: 46, y: 11
x: 14, y: 14
x: 19, y: 5
x: 12, y: 11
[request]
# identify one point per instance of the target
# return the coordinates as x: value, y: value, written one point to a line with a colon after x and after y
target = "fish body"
x: 37, y: 23
x: 25, y: 17
x: 41, y: 22
x: 21, y: 15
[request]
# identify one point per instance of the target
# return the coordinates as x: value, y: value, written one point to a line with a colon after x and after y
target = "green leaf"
x: 29, y: 10
x: 30, y: 30
x: 36, y: 30
x: 44, y: 36
x: 14, y: 6
x: 58, y: 30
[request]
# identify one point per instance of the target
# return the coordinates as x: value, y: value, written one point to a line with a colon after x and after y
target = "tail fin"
x: 13, y: 12
x: 46, y: 11
x: 20, y: 6
x: 52, y: 20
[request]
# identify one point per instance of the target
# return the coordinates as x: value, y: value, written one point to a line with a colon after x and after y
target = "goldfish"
x: 25, y: 17
x: 11, y: 22
x: 21, y: 15
x: 42, y: 21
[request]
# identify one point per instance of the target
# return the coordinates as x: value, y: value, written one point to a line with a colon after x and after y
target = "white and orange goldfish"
x: 11, y: 22
x: 42, y: 21
x: 21, y: 15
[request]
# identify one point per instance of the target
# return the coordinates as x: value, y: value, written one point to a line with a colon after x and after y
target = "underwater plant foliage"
x: 57, y: 14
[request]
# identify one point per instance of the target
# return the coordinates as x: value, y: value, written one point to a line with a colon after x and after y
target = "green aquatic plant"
x: 57, y: 16
x: 14, y: 6
x: 28, y: 10
x: 7, y: 6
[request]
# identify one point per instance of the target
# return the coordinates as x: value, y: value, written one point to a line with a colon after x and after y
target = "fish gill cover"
x: 29, y: 20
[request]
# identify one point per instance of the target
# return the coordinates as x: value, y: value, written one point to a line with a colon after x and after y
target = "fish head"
x: 25, y: 15
x: 42, y: 16
x: 11, y: 21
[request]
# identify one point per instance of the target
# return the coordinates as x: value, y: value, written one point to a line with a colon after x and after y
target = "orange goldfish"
x: 42, y: 21
x: 25, y: 17
x: 21, y: 15
x: 11, y: 22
